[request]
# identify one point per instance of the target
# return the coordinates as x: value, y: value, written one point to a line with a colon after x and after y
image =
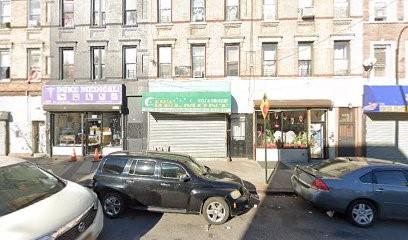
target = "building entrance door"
x: 346, y: 136
x: 93, y: 132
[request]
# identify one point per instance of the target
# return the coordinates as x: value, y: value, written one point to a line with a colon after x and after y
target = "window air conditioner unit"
x: 380, y: 17
x: 5, y: 25
x: 308, y: 13
x: 198, y: 74
x: 34, y: 23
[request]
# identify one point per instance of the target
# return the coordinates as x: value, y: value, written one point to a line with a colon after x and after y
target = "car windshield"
x: 338, y: 168
x: 24, y: 184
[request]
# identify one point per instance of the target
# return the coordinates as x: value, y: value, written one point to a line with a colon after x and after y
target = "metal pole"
x: 266, y: 154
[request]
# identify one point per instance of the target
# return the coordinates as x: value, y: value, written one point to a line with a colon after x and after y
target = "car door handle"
x: 379, y: 190
x: 129, y: 181
x: 165, y: 184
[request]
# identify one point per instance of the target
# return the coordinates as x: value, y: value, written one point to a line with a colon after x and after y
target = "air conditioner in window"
x: 198, y: 74
x: 5, y: 25
x: 33, y: 23
x: 380, y: 16
x: 308, y: 13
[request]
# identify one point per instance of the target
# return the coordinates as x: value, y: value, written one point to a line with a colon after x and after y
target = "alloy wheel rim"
x: 362, y: 214
x: 216, y: 212
x: 112, y: 206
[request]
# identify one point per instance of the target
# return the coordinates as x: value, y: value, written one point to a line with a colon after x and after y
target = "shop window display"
x: 67, y: 129
x: 111, y: 130
x: 286, y: 129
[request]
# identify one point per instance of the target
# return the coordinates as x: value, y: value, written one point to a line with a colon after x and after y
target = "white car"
x: 37, y: 205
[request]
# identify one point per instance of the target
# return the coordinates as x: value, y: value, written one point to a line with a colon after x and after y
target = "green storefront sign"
x: 187, y: 102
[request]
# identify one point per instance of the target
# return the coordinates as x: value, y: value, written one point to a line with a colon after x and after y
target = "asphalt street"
x: 277, y: 217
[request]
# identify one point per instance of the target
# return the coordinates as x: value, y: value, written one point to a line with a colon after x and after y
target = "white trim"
x: 306, y: 38
x: 391, y: 10
x: 390, y: 60
x: 342, y: 37
x: 232, y: 39
x: 276, y: 39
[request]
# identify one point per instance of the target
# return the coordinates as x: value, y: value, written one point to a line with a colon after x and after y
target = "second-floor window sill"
x: 164, y: 25
x: 271, y: 23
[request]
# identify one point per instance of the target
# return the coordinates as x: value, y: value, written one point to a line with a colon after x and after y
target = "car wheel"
x: 113, y: 204
x: 362, y: 213
x: 216, y: 211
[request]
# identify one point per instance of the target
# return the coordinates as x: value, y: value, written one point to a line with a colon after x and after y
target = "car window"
x: 169, y: 170
x: 24, y: 184
x: 132, y: 167
x: 396, y: 178
x: 339, y: 168
x: 145, y: 167
x: 367, y: 178
x: 114, y: 165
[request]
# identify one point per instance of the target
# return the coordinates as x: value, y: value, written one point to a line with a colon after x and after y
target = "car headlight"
x: 96, y: 201
x: 235, y: 194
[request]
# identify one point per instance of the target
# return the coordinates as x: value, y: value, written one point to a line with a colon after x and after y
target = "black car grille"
x: 74, y: 232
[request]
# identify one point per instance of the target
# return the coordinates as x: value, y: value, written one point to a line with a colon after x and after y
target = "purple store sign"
x: 82, y: 94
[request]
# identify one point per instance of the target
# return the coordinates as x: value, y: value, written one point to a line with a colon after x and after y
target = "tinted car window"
x: 114, y: 165
x: 132, y: 167
x: 169, y: 170
x: 367, y: 178
x: 24, y: 184
x: 145, y: 167
x: 396, y: 178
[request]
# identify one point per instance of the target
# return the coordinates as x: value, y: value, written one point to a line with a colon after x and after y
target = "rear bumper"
x: 321, y: 199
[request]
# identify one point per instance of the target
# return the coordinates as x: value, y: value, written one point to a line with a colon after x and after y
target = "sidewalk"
x: 250, y: 171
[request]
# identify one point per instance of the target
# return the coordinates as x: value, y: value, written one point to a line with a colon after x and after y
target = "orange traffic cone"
x: 97, y: 155
x: 73, y: 156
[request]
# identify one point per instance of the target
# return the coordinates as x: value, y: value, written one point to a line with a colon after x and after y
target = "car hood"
x: 48, y: 215
x: 224, y: 177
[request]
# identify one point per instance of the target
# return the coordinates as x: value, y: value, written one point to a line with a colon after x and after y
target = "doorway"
x: 38, y: 137
x: 347, y: 136
x: 93, y: 132
x: 318, y: 134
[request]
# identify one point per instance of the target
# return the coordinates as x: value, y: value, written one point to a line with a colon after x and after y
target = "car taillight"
x: 320, y: 185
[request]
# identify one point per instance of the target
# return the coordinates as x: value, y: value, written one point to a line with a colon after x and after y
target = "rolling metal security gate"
x: 381, y: 139
x: 203, y: 136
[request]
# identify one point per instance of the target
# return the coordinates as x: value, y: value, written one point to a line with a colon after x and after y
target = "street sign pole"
x: 265, y: 111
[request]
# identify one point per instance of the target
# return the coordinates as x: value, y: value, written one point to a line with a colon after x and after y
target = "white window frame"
x: 267, y: 8
x: 101, y: 65
x: 126, y: 63
x: 203, y: 70
x: 337, y: 73
x: 33, y: 22
x: 34, y: 73
x: 339, y: 5
x: 5, y: 51
x: 4, y: 15
x: 307, y: 43
x: 161, y: 9
x: 305, y: 4
x: 390, y: 58
x: 62, y: 67
x: 391, y: 12
x: 100, y: 20
x: 229, y: 5
x: 195, y: 9
x: 64, y: 13
x: 232, y: 45
x: 264, y: 44
x: 160, y: 62
x: 127, y: 10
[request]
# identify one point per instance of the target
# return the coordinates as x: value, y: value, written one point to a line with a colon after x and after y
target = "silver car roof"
x: 6, y: 161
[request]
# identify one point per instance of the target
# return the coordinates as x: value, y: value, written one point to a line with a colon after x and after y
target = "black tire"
x: 113, y: 204
x: 362, y: 213
x: 216, y: 211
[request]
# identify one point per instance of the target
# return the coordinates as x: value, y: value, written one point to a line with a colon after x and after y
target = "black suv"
x: 168, y: 182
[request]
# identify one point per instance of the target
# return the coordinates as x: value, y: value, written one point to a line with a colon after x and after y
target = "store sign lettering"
x: 82, y: 94
x: 187, y: 102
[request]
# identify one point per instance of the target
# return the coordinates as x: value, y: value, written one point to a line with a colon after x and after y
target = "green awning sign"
x: 187, y: 102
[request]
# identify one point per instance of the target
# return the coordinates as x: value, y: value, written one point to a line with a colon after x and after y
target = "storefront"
x: 188, y: 122
x: 296, y: 130
x: 386, y: 122
x: 84, y: 118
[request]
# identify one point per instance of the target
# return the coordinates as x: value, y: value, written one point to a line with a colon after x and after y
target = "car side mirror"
x: 184, y: 178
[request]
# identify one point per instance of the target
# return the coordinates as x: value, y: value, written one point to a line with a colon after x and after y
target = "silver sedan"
x: 363, y: 189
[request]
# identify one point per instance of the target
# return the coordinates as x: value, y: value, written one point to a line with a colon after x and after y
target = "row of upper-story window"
x: 382, y: 52
x: 198, y: 11
x: 33, y: 17
x: 198, y: 60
